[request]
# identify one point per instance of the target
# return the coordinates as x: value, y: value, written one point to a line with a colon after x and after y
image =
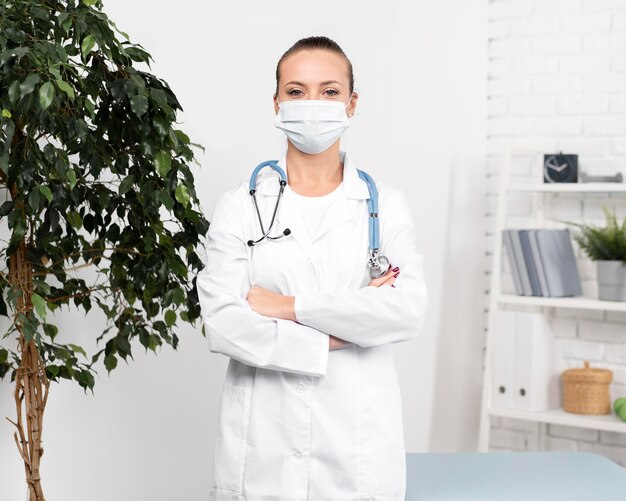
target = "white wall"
x: 557, y: 81
x: 420, y: 70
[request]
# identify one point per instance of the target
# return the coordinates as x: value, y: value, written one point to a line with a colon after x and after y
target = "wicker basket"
x: 586, y: 390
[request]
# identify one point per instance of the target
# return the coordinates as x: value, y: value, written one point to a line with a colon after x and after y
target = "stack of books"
x: 542, y: 262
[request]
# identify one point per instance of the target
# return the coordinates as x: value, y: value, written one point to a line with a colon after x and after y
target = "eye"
x: 293, y: 92
x: 333, y: 92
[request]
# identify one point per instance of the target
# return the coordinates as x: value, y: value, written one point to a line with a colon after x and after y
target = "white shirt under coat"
x: 297, y: 422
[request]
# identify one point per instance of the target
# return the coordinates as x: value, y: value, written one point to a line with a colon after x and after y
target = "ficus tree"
x: 96, y: 176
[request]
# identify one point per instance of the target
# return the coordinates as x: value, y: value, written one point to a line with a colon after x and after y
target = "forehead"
x: 314, y: 66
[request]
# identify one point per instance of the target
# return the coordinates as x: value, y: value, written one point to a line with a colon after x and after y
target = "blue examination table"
x: 513, y: 476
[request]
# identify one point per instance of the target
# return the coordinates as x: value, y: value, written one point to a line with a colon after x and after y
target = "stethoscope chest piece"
x: 378, y: 264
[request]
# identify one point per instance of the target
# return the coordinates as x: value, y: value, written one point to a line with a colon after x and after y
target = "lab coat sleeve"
x: 372, y: 316
x: 232, y: 327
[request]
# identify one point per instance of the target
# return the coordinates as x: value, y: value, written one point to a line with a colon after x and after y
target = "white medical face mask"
x: 312, y: 125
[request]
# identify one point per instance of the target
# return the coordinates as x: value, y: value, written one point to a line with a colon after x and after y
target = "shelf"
x: 583, y: 303
x: 569, y: 187
x: 608, y: 422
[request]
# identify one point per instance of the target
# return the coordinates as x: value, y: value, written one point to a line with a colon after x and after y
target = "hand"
x: 271, y: 304
x: 387, y: 279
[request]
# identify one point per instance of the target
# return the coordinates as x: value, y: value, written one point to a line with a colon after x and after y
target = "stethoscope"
x: 378, y: 263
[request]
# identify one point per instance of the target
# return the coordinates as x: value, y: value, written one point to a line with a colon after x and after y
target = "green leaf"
x: 179, y: 295
x: 88, y: 43
x: 28, y: 85
x: 153, y: 343
x: 49, y: 329
x: 139, y: 104
x: 14, y: 92
x: 71, y: 176
x: 182, y: 195
x: 65, y: 87
x: 54, y: 71
x: 46, y: 95
x: 4, y: 354
x: 163, y: 162
x: 159, y: 97
x: 39, y: 303
x: 29, y: 331
x: 6, y: 113
x: 34, y: 200
x: 90, y: 108
x: 46, y: 192
x: 110, y: 362
x: 123, y: 345
x: 161, y: 125
x: 89, y: 3
x: 170, y: 317
x: 77, y: 348
x: 85, y: 380
x: 166, y: 200
x: 74, y: 218
x: 125, y: 35
x: 126, y: 184
x: 65, y: 21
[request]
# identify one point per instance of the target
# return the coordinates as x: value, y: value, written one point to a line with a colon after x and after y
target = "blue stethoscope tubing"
x: 378, y: 263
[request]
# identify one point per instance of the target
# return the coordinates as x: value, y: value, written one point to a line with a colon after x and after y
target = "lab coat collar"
x: 353, y: 185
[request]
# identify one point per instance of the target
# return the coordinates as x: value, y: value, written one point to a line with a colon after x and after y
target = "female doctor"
x: 310, y: 406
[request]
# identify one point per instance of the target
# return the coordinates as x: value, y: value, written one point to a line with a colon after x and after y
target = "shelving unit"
x: 497, y: 300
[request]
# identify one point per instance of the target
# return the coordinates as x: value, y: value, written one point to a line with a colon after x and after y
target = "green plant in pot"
x: 96, y: 178
x: 607, y: 247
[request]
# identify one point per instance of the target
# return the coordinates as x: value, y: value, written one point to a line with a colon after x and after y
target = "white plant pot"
x: 611, y: 280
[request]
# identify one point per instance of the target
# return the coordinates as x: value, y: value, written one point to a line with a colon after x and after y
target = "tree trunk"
x: 31, y: 382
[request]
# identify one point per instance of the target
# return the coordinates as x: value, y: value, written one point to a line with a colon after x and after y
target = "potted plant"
x: 607, y: 247
x: 97, y: 178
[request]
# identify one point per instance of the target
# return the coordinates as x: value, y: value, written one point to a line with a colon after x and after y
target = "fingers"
x: 387, y: 279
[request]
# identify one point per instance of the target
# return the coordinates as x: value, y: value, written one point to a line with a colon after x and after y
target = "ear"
x: 275, y: 104
x: 351, y: 109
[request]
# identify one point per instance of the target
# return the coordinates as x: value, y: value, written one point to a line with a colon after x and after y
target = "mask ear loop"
x: 347, y: 105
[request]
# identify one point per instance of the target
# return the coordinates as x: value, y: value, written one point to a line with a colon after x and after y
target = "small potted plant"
x: 607, y: 246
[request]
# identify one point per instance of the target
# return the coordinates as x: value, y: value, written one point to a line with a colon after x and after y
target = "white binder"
x: 536, y: 368
x: 503, y: 386
x: 525, y: 370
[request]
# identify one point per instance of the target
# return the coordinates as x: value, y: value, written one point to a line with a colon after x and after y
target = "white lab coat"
x: 297, y: 422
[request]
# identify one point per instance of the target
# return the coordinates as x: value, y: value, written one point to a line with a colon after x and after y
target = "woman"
x: 310, y: 408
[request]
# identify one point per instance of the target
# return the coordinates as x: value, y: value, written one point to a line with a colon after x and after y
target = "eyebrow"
x: 322, y: 83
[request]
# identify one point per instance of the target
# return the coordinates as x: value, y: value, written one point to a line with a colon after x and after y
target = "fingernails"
x: 396, y: 275
x: 393, y: 286
x: 396, y: 269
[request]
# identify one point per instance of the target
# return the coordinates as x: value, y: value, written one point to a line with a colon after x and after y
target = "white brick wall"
x: 557, y: 81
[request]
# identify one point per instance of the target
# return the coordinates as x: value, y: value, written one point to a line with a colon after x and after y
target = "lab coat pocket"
x: 231, y: 438
x: 382, y: 454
